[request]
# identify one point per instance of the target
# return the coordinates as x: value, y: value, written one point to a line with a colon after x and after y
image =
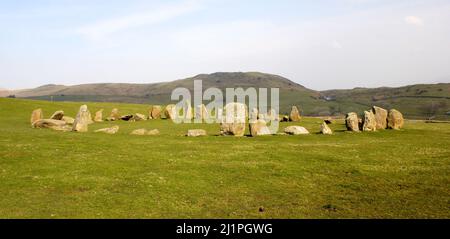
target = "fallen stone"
x: 48, y: 123
x: 68, y: 120
x: 196, y: 133
x: 126, y: 117
x: 139, y: 132
x: 58, y: 115
x: 111, y: 130
x: 296, y: 130
x: 153, y: 132
x: 139, y: 117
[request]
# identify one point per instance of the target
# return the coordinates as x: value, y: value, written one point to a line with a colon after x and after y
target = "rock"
x: 201, y: 112
x: 145, y: 132
x: 126, y: 117
x: 68, y: 120
x: 234, y: 121
x: 395, y: 119
x: 65, y: 128
x: 253, y: 114
x: 285, y: 118
x: 139, y: 132
x: 153, y: 132
x: 114, y: 115
x: 324, y: 129
x: 196, y: 133
x: 139, y: 117
x: 272, y: 115
x: 188, y: 110
x: 380, y: 117
x: 295, y: 114
x: 48, y: 123
x: 156, y: 112
x: 99, y: 116
x: 369, y: 122
x: 259, y: 127
x: 82, y: 120
x: 58, y: 115
x: 351, y: 122
x: 295, y: 130
x: 111, y: 130
x: 170, y: 111
x: 36, y: 115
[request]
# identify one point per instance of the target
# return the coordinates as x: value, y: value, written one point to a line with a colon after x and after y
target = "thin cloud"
x: 102, y: 29
x: 414, y: 20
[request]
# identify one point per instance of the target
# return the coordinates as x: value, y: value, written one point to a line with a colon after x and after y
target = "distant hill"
x: 417, y: 101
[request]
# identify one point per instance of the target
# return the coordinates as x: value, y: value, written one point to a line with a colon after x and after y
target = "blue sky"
x: 320, y: 44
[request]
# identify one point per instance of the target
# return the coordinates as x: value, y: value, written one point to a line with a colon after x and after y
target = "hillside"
x: 417, y: 101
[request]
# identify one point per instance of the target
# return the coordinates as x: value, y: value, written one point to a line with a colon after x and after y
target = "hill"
x: 417, y: 101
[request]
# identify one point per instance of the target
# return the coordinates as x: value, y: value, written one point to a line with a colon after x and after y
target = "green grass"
x: 50, y: 174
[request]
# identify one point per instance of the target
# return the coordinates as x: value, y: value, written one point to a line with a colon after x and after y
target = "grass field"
x: 50, y: 174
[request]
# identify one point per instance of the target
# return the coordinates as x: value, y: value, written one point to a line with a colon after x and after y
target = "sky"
x: 322, y: 44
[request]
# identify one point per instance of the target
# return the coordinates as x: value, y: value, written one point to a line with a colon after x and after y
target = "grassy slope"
x: 390, y: 174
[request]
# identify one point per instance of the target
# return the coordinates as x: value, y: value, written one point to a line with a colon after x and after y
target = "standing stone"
x: 272, y: 115
x: 111, y: 130
x: 170, y: 111
x: 201, y: 112
x: 259, y: 127
x: 58, y: 115
x: 234, y: 122
x: 253, y: 114
x: 380, y: 117
x: 395, y: 119
x: 98, y: 116
x: 114, y: 115
x: 296, y: 130
x: 156, y: 112
x: 36, y: 115
x: 219, y: 114
x: 82, y: 120
x: 369, y: 122
x: 187, y: 109
x: 196, y: 133
x: 324, y: 129
x: 351, y: 122
x: 295, y: 114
